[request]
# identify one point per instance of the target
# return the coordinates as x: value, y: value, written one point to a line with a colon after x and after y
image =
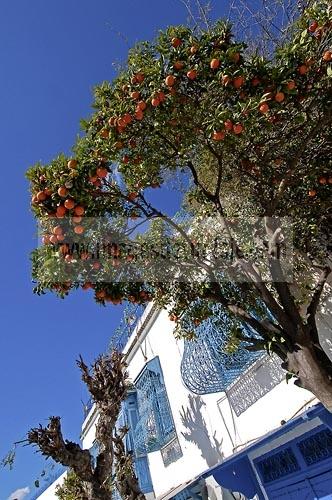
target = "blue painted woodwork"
x: 206, y: 366
x: 129, y: 417
x: 316, y: 447
x: 298, y: 470
x: 278, y: 465
x: 155, y: 427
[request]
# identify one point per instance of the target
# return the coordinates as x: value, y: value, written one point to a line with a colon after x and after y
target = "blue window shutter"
x: 155, y: 427
x: 131, y: 417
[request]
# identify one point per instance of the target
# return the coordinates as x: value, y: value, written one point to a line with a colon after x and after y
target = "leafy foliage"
x: 251, y: 137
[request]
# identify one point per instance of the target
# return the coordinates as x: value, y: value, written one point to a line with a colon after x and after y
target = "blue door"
x: 313, y: 488
x: 298, y: 491
x: 322, y: 486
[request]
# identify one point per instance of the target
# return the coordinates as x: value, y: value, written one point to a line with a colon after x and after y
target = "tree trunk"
x: 312, y: 374
x: 97, y: 492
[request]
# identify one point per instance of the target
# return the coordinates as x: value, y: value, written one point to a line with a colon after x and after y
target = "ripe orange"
x: 72, y: 163
x: 135, y: 95
x: 79, y: 229
x: 155, y: 102
x: 87, y: 285
x: 291, y: 85
x: 46, y: 239
x: 101, y: 294
x: 61, y: 211
x: 79, y: 210
x: 53, y: 239
x: 228, y: 125
x: 48, y: 191
x: 104, y: 133
x: 264, y: 108
x: 178, y: 65
x: 57, y: 230
x: 41, y: 196
x: 218, y: 135
x: 161, y: 96
x: 279, y: 97
x: 192, y: 74
x: 140, y: 77
x: 170, y: 80
x: 77, y: 219
x: 69, y: 203
x: 226, y: 80
x: 132, y: 196
x: 327, y: 56
x: 176, y: 42
x: 193, y: 49
x: 313, y: 26
x: 215, y: 63
x: 68, y: 258
x: 127, y: 118
x: 238, y: 128
x: 96, y: 265
x: 141, y: 105
x: 255, y: 81
x: 303, y: 69
x: 238, y: 82
x: 62, y: 191
x: 112, y: 121
x: 322, y: 180
x: 329, y: 180
x: 139, y: 114
x: 312, y: 192
x: 102, y: 172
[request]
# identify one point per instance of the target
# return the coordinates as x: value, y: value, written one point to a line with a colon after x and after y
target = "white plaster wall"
x: 218, y: 430
x: 49, y: 494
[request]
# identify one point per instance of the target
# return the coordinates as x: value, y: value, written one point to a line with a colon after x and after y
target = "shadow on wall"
x: 197, y: 433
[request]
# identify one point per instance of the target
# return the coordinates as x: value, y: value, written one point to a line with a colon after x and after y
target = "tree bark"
x: 311, y: 372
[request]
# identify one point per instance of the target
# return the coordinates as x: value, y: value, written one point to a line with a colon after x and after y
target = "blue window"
x: 278, y: 465
x: 155, y: 426
x: 129, y: 417
x: 317, y: 447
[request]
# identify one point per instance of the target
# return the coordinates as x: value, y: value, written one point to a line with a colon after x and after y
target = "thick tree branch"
x: 315, y: 299
x: 51, y: 444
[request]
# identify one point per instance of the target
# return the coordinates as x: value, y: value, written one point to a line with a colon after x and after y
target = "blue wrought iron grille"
x: 131, y: 315
x: 206, y: 365
x: 278, y: 465
x: 316, y: 447
x: 155, y: 427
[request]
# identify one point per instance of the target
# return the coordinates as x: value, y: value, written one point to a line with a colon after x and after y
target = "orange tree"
x: 248, y: 139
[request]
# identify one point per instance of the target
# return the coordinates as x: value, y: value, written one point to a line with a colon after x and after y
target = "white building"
x: 204, y: 424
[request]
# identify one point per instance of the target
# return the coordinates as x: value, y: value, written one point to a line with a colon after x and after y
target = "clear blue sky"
x: 51, y: 55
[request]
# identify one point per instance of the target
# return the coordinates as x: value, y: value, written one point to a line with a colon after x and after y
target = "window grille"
x: 171, y: 452
x: 278, y: 465
x: 206, y: 366
x: 155, y: 427
x: 316, y: 447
